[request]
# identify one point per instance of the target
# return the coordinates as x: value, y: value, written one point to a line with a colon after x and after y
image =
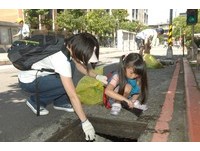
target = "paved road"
x: 18, y: 123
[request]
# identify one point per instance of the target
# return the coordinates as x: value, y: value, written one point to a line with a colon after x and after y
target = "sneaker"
x: 33, y: 107
x: 140, y: 106
x: 64, y: 107
x: 116, y: 108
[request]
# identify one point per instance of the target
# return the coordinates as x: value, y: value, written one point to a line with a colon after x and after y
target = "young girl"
x: 128, y: 84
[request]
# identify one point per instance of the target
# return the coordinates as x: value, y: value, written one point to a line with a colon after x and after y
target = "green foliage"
x: 130, y: 26
x: 181, y: 27
x: 32, y: 17
x: 96, y: 21
x: 179, y: 24
x: 72, y: 20
x: 100, y: 22
x: 120, y: 14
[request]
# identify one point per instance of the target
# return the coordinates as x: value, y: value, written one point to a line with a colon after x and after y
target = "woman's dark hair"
x: 82, y: 46
x: 136, y: 61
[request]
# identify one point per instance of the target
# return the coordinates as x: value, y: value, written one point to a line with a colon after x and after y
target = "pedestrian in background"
x: 128, y: 84
x: 24, y: 29
x: 147, y: 38
x: 58, y: 88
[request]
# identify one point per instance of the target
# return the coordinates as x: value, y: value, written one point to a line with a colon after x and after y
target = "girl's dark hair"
x: 82, y: 46
x: 136, y: 61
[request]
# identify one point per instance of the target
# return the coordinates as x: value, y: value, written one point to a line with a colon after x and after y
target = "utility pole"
x: 53, y: 19
x: 169, y: 49
x: 193, y: 42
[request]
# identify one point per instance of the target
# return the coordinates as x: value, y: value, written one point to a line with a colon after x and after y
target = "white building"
x: 140, y: 15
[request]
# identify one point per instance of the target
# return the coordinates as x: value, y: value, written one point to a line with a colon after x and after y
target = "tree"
x: 32, y: 18
x: 72, y: 20
x: 181, y: 27
x: 99, y: 22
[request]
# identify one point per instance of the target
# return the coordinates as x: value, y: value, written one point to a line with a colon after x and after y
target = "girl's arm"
x: 136, y: 96
x: 109, y: 91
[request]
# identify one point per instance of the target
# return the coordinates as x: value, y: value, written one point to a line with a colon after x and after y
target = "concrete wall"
x: 126, y: 40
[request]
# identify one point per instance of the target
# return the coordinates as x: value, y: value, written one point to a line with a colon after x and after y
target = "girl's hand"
x: 130, y: 104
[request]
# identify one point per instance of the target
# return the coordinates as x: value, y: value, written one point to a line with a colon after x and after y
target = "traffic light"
x: 192, y: 16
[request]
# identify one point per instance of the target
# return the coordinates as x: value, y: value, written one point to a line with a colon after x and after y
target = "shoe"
x: 64, y: 107
x: 33, y: 107
x: 140, y: 106
x: 116, y: 108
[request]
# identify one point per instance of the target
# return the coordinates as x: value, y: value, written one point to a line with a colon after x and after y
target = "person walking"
x: 58, y: 88
x: 24, y: 29
x: 147, y: 38
x: 128, y: 84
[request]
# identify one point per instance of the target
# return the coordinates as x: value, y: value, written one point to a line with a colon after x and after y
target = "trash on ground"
x: 90, y: 90
x: 152, y: 62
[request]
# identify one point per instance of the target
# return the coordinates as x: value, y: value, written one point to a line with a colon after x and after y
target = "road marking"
x: 162, y: 124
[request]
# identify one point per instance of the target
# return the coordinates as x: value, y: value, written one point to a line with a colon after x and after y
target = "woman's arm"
x: 70, y: 89
x: 76, y: 103
x: 91, y: 73
x: 83, y: 70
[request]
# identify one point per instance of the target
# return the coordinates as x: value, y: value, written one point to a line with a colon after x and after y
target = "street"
x: 18, y: 123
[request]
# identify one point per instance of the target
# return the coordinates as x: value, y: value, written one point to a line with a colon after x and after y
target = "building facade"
x: 10, y: 15
x: 140, y: 15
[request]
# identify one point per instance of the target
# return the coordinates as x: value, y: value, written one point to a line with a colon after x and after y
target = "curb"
x: 4, y: 59
x: 5, y: 63
x: 192, y: 103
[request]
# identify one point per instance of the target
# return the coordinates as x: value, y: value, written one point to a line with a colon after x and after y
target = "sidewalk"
x: 4, y: 59
x: 104, y: 53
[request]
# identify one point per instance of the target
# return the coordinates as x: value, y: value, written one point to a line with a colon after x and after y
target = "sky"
x: 157, y: 16
x: 158, y: 10
x: 100, y: 4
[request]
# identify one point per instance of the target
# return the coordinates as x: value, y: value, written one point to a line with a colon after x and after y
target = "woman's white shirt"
x: 58, y: 61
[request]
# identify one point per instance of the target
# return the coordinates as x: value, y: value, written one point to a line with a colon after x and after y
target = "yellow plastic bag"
x: 90, y: 90
x: 152, y: 62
